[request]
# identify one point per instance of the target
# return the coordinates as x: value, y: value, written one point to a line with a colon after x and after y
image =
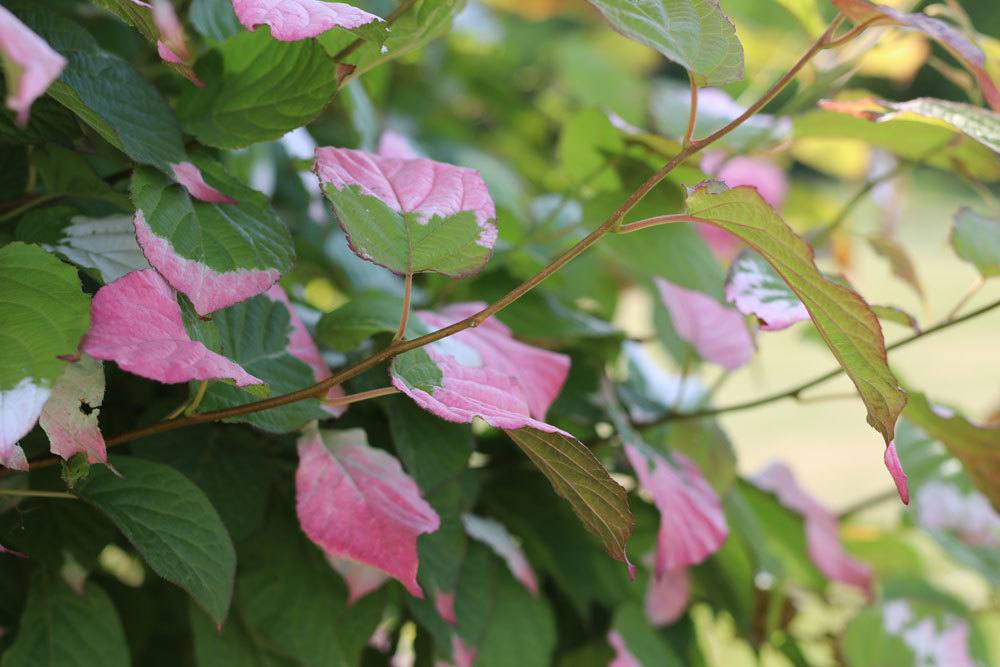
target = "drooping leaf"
x: 43, y: 315
x: 899, y: 476
x: 896, y: 315
x: 848, y: 326
x: 367, y: 314
x: 493, y: 534
x: 260, y: 335
x: 61, y: 628
x: 69, y: 417
x: 693, y: 33
x: 171, y: 523
x: 137, y: 324
x: 217, y: 254
x: 482, y: 372
x: 105, y: 244
x: 976, y: 239
x: 949, y: 37
x: 359, y: 578
x: 977, y: 447
x: 356, y: 502
x: 576, y: 475
x: 29, y: 64
x: 256, y: 89
x: 410, y: 215
x: 822, y: 530
x: 668, y: 596
x: 899, y: 261
x: 756, y: 289
x: 292, y: 20
x: 717, y: 333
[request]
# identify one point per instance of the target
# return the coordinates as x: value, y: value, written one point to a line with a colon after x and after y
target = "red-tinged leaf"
x: 899, y: 261
x: 692, y: 521
x: 977, y: 447
x: 575, y: 474
x: 30, y: 65
x: 481, y: 372
x: 410, y: 215
x: 756, y: 289
x: 355, y: 502
x: 848, y: 326
x: 623, y: 657
x: 822, y: 530
x: 717, y: 333
x: 952, y: 39
x: 396, y: 145
x: 137, y: 323
x: 668, y: 596
x: 493, y: 534
x: 292, y: 20
x: 302, y: 347
x: 361, y: 579
x: 895, y: 468
x: 69, y: 417
x: 188, y: 175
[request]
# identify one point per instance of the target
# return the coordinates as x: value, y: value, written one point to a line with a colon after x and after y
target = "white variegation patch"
x: 756, y: 289
x: 19, y: 410
x: 105, y: 244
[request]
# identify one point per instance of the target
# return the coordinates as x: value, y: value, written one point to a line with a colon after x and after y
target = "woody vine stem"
x: 613, y: 224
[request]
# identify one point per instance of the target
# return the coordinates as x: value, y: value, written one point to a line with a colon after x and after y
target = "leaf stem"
x: 796, y: 392
x: 611, y: 224
x: 693, y: 113
x: 198, y: 396
x: 32, y: 493
x: 361, y: 396
x: 974, y: 288
x: 405, y: 316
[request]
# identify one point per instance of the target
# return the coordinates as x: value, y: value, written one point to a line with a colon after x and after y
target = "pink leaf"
x: 292, y: 20
x: 171, y: 32
x: 209, y: 290
x: 493, y: 534
x: 717, y: 333
x: 895, y: 469
x: 69, y: 417
x: 417, y: 185
x: 136, y: 322
x: 461, y: 655
x: 188, y: 175
x: 822, y: 530
x: 623, y: 657
x: 667, y: 597
x: 360, y: 578
x: 302, y: 347
x: 943, y: 506
x: 356, y: 502
x: 5, y: 550
x: 692, y: 522
x: 19, y: 410
x: 395, y: 144
x: 445, y: 605
x: 29, y: 63
x: 483, y: 372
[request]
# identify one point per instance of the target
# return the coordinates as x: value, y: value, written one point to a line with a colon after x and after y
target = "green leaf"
x: 976, y: 239
x: 586, y: 144
x: 255, y: 334
x: 642, y: 641
x: 980, y: 124
x: 60, y: 628
x: 365, y: 315
x: 43, y: 315
x: 214, y: 20
x: 576, y: 475
x: 977, y: 447
x: 234, y: 646
x: 846, y: 323
x: 256, y: 89
x: 224, y: 238
x: 865, y: 642
x: 402, y: 242
x: 693, y: 33
x: 66, y: 172
x: 141, y: 18
x: 171, y: 523
x: 499, y: 618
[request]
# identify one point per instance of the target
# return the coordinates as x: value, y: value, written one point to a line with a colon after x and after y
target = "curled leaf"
x: 188, y: 175
x: 292, y: 20
x: 895, y: 468
x: 69, y: 417
x: 667, y: 597
x: 361, y: 579
x: 822, y: 530
x: 410, y: 215
x: 718, y: 333
x: 355, y: 502
x: 30, y: 65
x: 482, y: 372
x: 137, y: 323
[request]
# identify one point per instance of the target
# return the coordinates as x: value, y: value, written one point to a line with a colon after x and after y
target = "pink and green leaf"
x: 756, y: 289
x: 292, y: 20
x: 69, y: 417
x: 30, y: 65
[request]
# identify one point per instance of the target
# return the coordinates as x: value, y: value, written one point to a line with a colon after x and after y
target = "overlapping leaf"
x: 756, y: 289
x: 717, y: 333
x: 69, y: 417
x: 107, y: 245
x: 693, y: 33
x: 292, y: 20
x: 29, y: 63
x: 848, y: 326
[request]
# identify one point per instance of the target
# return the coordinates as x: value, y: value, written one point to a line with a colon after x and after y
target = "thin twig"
x: 32, y: 493
x: 693, y: 113
x: 611, y: 224
x: 361, y: 396
x: 405, y: 315
x: 974, y: 288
